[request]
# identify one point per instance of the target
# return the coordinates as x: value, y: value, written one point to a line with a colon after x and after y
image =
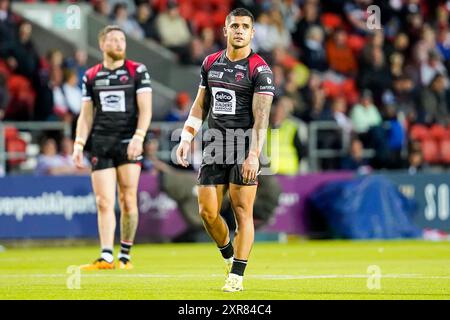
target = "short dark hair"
x: 240, y: 12
x: 102, y: 34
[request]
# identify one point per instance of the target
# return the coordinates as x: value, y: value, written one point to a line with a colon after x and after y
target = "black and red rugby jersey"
x: 113, y: 93
x: 230, y: 87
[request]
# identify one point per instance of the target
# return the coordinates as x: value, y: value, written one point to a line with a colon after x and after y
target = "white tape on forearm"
x: 194, y: 122
x: 186, y: 136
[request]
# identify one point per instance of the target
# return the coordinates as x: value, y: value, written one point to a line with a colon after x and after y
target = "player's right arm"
x: 192, y: 125
x: 84, y: 124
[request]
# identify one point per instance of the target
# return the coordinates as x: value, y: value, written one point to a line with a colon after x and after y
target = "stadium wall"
x: 64, y: 207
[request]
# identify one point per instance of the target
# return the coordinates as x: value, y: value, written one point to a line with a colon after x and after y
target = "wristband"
x: 80, y: 140
x: 186, y: 136
x: 140, y: 132
x: 138, y: 137
x: 191, y: 127
x: 78, y: 146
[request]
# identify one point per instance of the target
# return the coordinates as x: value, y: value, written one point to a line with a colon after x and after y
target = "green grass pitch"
x: 295, y: 270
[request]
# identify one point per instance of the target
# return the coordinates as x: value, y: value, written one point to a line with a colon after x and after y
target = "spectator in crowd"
x: 291, y: 14
x: 182, y: 107
x: 8, y: 29
x: 397, y: 61
x: 208, y: 40
x: 435, y: 102
x: 313, y: 51
x: 66, y: 153
x: 356, y: 13
x: 365, y: 114
x: 339, y: 113
x: 315, y: 98
x: 432, y: 67
x: 71, y: 92
x: 281, y: 35
x: 25, y: 52
x: 102, y: 7
x: 173, y: 30
x: 263, y: 28
x: 125, y: 22
x: 145, y: 17
x: 4, y: 96
x: 395, y: 137
x: 415, y: 162
x: 375, y: 74
x: 284, y: 146
x: 403, y: 95
x: 78, y: 63
x: 355, y: 159
x: 310, y: 17
x: 339, y: 54
x: 60, y: 104
x: 49, y: 162
x: 400, y: 45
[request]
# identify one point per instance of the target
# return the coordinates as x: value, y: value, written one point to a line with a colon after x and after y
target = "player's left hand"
x: 134, y: 149
x: 250, y: 168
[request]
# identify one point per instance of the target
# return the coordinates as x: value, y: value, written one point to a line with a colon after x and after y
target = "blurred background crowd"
x: 387, y: 89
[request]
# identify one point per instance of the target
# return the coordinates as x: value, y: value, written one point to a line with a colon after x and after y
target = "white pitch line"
x: 197, y: 276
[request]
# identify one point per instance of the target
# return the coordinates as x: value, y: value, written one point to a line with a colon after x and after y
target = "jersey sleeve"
x: 143, y: 81
x: 263, y: 80
x: 203, y: 75
x: 86, y: 89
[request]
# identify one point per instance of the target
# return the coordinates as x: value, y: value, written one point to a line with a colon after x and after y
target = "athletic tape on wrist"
x: 191, y: 127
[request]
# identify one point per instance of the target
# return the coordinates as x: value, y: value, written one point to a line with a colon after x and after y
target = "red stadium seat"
x: 16, y: 145
x: 419, y: 132
x: 331, y: 21
x: 331, y: 89
x: 444, y: 147
x: 356, y: 43
x: 430, y: 151
x: 202, y: 20
x: 438, y: 132
x: 11, y: 132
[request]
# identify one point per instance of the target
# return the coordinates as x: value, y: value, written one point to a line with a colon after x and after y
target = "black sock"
x: 238, y: 267
x: 227, y: 250
x: 125, y: 248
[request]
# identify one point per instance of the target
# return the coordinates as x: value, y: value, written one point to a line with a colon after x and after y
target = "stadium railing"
x: 315, y: 153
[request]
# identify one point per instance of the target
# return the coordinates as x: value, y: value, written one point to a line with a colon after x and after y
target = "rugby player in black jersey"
x: 115, y: 114
x: 235, y: 92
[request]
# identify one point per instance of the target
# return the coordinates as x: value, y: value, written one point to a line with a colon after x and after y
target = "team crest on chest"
x: 239, y: 76
x: 123, y: 78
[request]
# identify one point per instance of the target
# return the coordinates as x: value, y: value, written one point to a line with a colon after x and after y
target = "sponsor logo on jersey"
x: 224, y: 101
x: 123, y: 78
x: 239, y: 76
x: 228, y: 70
x: 215, y: 74
x: 121, y: 72
x: 266, y: 88
x: 239, y: 67
x: 223, y: 97
x: 112, y: 101
x: 102, y: 73
x: 112, y: 76
x: 102, y: 82
x: 264, y: 68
